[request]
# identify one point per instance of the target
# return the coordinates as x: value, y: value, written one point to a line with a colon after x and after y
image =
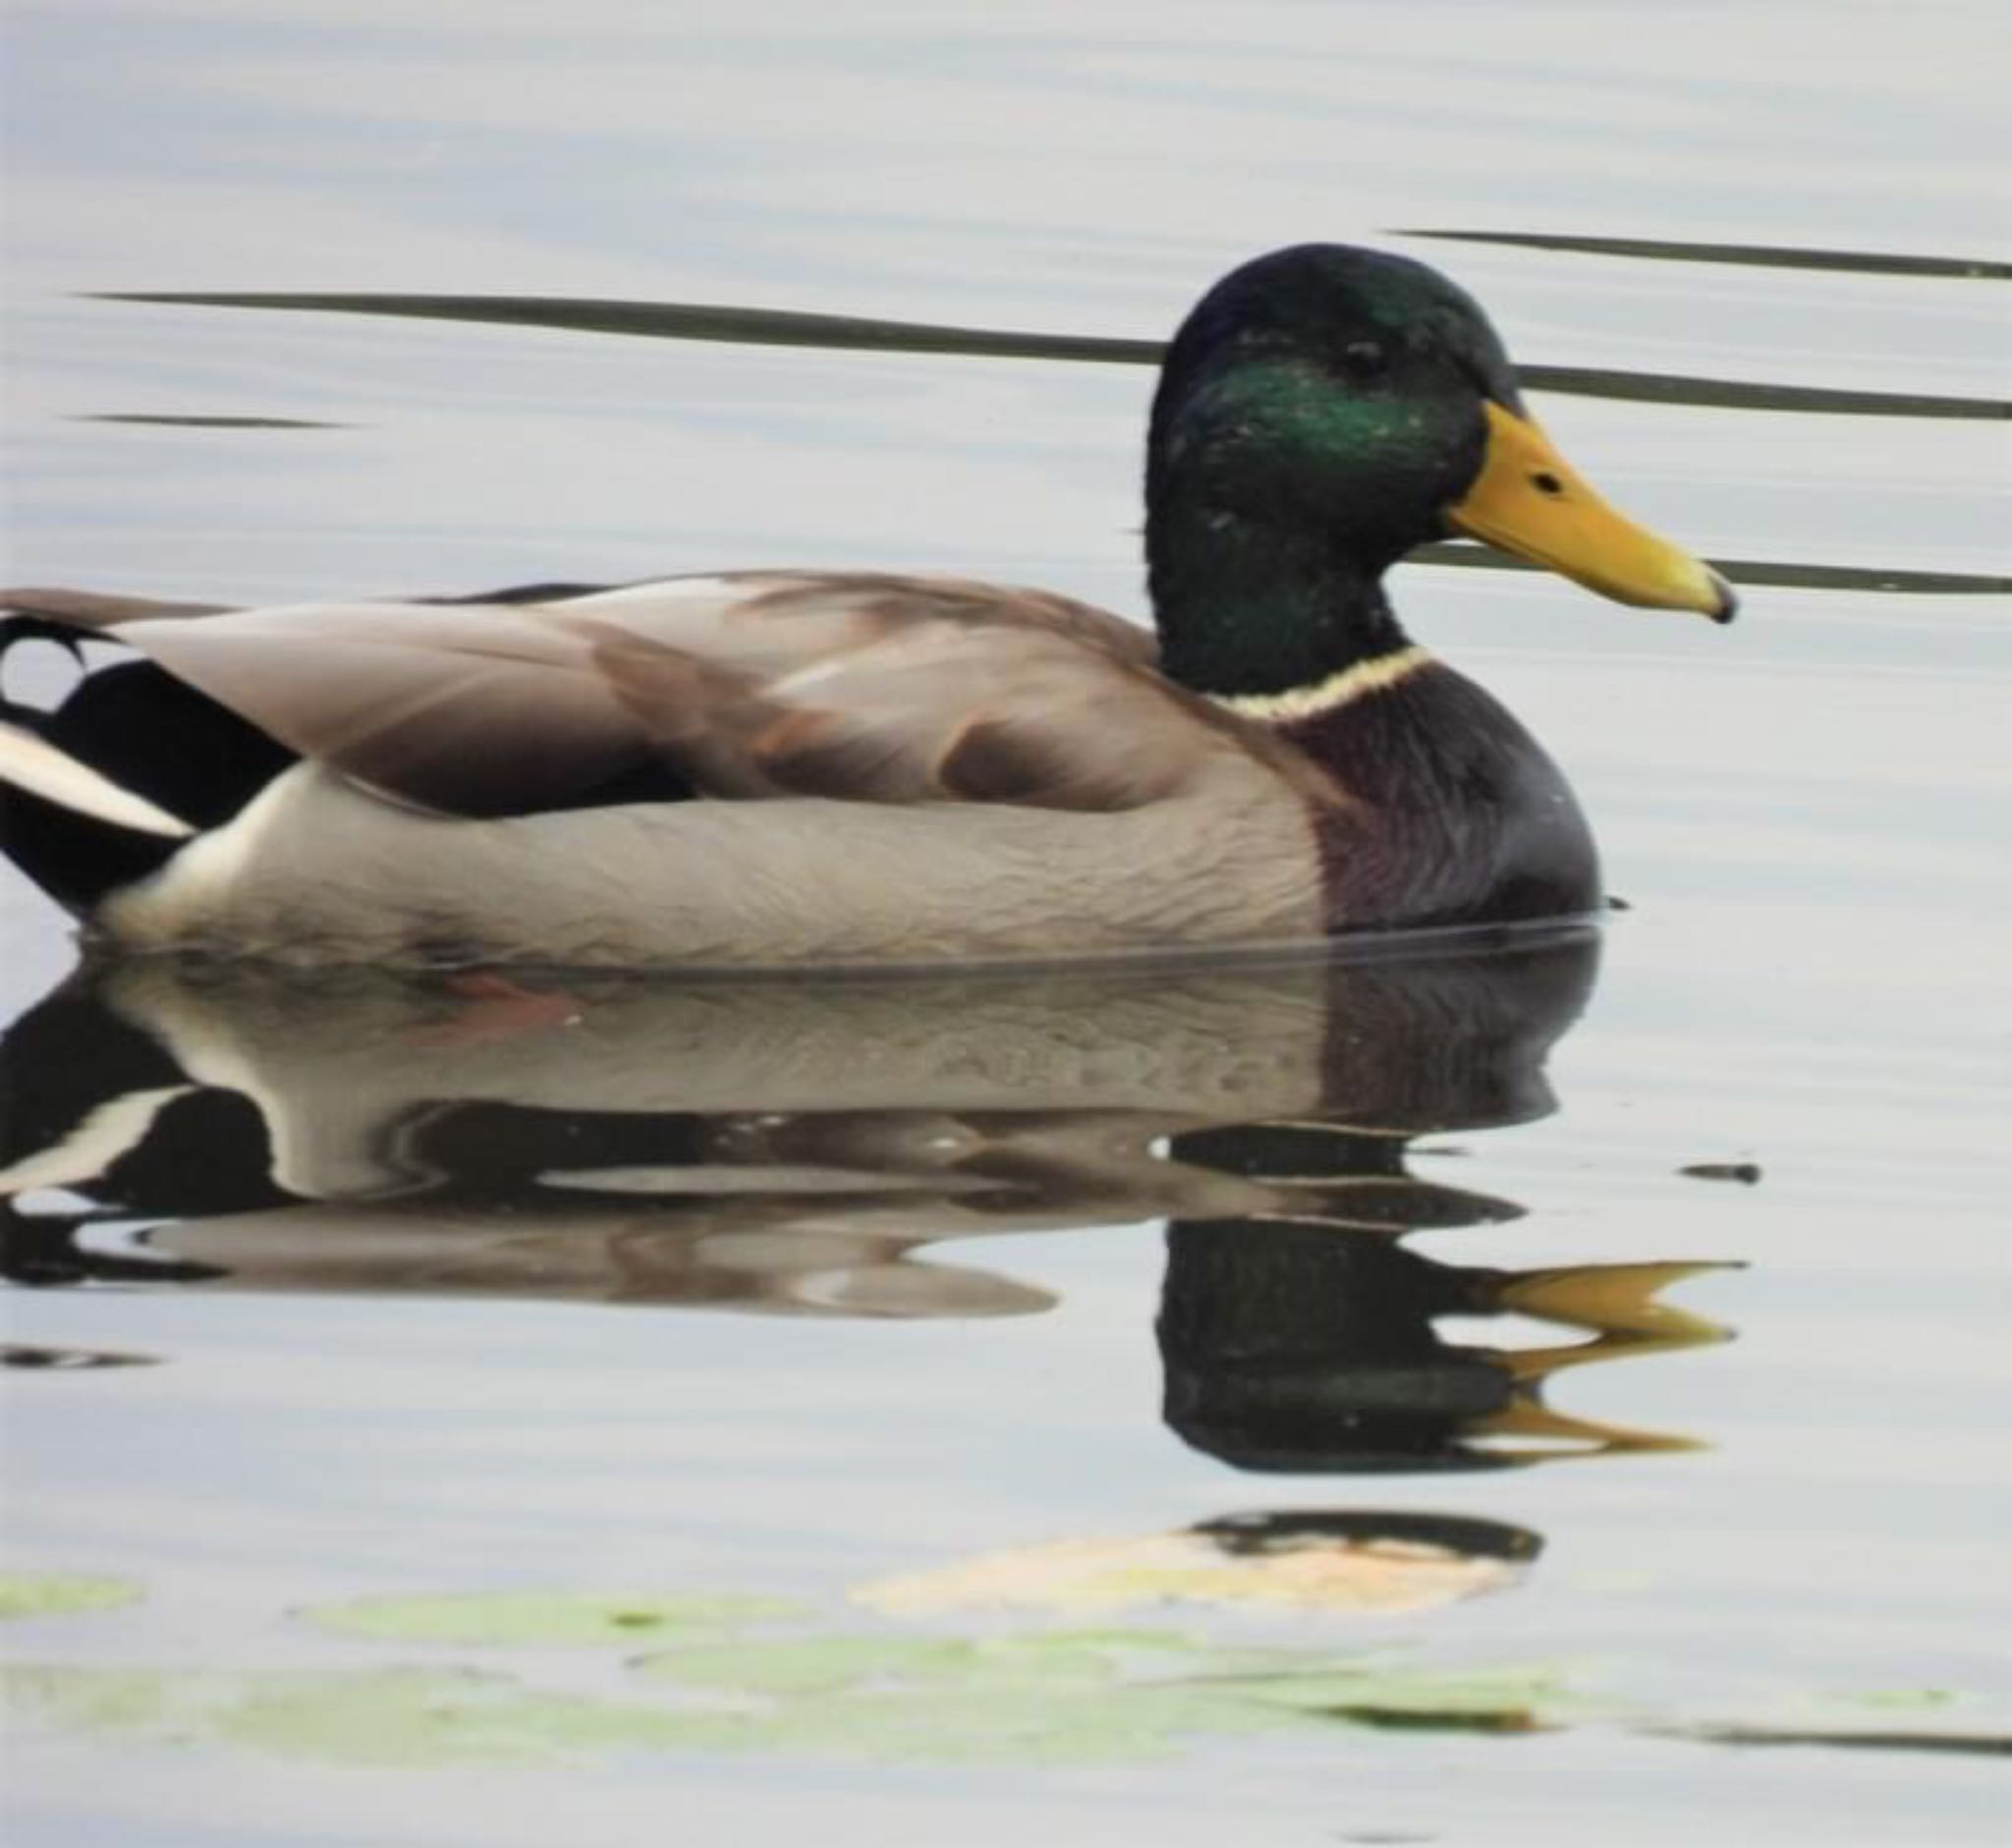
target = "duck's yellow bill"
x: 1528, y: 500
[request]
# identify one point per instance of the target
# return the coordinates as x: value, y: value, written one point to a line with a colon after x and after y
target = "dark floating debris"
x: 1968, y: 1745
x: 1792, y: 576
x: 692, y: 320
x: 68, y: 1359
x: 1764, y: 255
x: 206, y: 422
x: 1729, y: 394
x: 1746, y: 1173
x: 1450, y: 1719
x: 790, y: 327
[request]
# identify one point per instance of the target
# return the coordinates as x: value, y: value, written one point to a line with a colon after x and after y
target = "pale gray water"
x: 428, y: 1391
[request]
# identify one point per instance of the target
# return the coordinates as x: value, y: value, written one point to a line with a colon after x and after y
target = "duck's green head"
x: 1322, y: 411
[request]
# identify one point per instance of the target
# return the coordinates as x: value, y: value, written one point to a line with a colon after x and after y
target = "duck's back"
x: 760, y: 769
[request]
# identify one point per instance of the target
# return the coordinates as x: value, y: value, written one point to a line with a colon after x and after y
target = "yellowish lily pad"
x: 1355, y: 1575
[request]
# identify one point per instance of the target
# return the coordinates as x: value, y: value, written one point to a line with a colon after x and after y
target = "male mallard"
x: 808, y: 767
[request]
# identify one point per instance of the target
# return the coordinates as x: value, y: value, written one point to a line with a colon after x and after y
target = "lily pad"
x: 61, y: 1595
x: 882, y: 1662
x: 545, y: 1619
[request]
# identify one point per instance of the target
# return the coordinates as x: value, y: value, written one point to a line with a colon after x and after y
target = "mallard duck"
x: 799, y: 767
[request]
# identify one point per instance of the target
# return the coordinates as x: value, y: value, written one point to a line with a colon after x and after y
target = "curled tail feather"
x: 34, y: 765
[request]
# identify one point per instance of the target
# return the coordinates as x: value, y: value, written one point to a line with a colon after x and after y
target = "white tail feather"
x: 35, y: 766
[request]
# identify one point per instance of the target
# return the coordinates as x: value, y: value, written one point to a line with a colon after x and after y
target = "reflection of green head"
x: 1316, y: 413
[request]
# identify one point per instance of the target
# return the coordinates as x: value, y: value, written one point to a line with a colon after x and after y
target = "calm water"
x: 1536, y: 1392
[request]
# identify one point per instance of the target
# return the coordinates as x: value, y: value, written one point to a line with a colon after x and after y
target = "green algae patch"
x: 62, y: 1594
x: 422, y: 1717
x: 1070, y: 1696
x: 408, y: 1718
x: 1054, y: 1699
x: 427, y: 1718
x: 750, y: 1676
x: 800, y: 1666
x: 1007, y: 1725
x: 746, y: 1675
x: 865, y: 1662
x: 543, y: 1619
x: 1935, y: 1720
x: 1900, y: 1700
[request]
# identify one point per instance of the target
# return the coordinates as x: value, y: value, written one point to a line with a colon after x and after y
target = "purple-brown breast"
x: 1459, y: 816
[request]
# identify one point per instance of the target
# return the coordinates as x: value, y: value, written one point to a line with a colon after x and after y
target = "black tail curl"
x: 146, y: 731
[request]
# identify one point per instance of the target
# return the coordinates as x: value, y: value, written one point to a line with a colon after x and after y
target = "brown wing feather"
x: 932, y: 710
x: 476, y: 712
x: 871, y: 689
x: 94, y: 609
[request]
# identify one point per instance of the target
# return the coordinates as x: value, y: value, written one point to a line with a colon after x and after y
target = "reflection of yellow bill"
x: 1368, y: 1575
x: 1528, y: 499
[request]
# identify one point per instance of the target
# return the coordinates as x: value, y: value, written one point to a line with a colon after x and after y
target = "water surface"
x: 1523, y: 1391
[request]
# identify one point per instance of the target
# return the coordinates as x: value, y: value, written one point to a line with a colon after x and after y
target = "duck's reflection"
x: 797, y: 1147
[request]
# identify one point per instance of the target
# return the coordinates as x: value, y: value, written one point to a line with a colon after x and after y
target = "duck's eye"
x: 1364, y: 360
x: 1546, y: 482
